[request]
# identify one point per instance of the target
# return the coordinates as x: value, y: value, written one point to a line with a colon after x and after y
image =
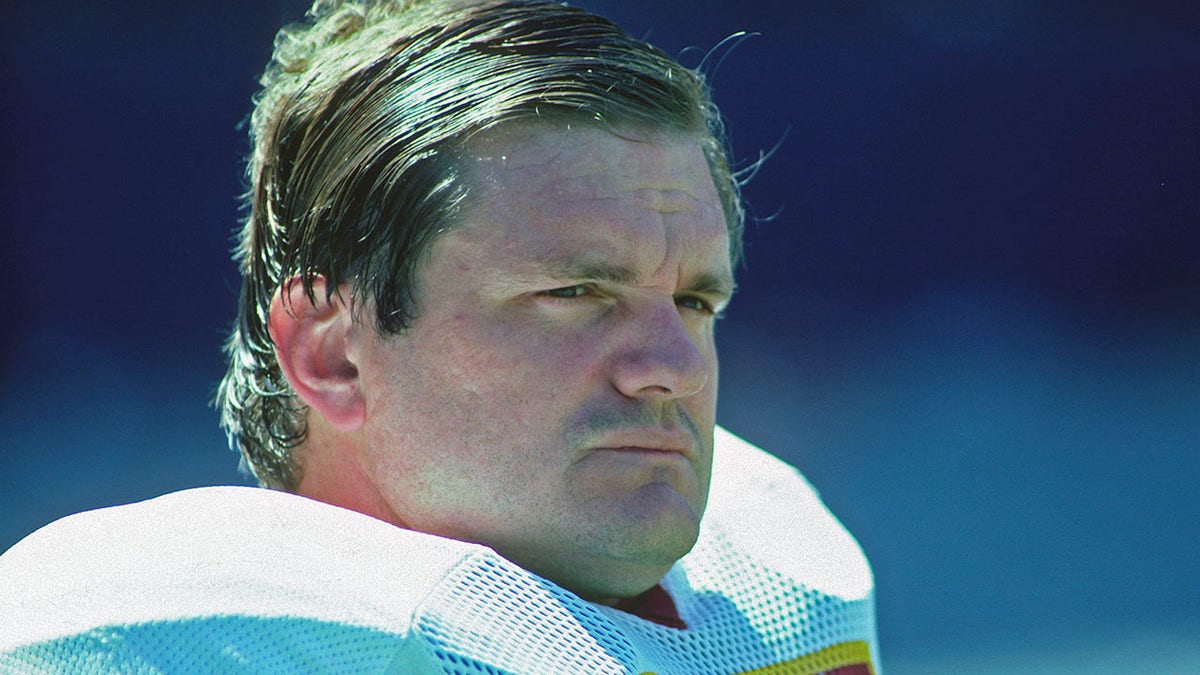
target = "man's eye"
x: 697, y: 303
x: 576, y: 291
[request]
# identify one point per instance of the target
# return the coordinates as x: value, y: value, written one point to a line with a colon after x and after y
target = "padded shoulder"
x: 233, y: 579
x: 764, y: 508
x: 218, y: 551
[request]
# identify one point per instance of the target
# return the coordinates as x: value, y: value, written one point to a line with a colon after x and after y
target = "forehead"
x: 592, y: 158
x: 607, y: 191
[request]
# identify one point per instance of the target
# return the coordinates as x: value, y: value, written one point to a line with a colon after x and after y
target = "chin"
x: 658, y: 545
x: 632, y: 560
x: 661, y: 518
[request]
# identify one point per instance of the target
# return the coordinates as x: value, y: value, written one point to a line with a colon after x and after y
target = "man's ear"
x: 313, y: 344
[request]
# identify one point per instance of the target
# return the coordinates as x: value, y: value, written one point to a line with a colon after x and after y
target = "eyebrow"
x: 582, y: 269
x: 720, y: 285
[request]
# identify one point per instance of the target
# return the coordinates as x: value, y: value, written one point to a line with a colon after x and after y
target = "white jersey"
x: 238, y: 579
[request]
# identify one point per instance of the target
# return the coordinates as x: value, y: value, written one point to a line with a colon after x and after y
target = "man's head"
x: 484, y: 248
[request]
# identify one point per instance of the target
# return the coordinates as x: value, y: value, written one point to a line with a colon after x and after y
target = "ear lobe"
x: 312, y: 344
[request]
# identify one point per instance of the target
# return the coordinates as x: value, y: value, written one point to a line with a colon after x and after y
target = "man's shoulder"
x: 773, y: 563
x: 767, y: 511
x: 250, y: 578
x: 217, y: 552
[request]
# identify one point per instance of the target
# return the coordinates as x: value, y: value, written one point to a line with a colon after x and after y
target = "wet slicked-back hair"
x: 356, y: 132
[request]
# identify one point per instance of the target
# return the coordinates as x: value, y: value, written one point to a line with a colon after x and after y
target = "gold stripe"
x: 837, y: 656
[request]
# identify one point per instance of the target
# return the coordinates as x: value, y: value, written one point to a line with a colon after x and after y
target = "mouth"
x: 650, y: 442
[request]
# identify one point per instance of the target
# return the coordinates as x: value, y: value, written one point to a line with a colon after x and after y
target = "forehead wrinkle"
x: 668, y: 200
x: 596, y: 188
x: 593, y: 181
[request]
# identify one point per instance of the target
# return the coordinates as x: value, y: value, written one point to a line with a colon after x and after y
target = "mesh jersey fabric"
x: 235, y: 579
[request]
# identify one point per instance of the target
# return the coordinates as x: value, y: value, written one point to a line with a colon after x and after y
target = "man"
x: 486, y: 247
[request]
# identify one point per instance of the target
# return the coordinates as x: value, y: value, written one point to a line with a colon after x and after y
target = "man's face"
x: 555, y: 397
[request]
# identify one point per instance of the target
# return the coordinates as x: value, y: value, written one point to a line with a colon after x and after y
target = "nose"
x: 658, y: 356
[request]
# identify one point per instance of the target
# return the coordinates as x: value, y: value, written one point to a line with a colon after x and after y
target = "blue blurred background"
x: 971, y: 312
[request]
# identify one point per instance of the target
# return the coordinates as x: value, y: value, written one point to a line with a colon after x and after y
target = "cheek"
x: 523, y: 354
x: 493, y: 380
